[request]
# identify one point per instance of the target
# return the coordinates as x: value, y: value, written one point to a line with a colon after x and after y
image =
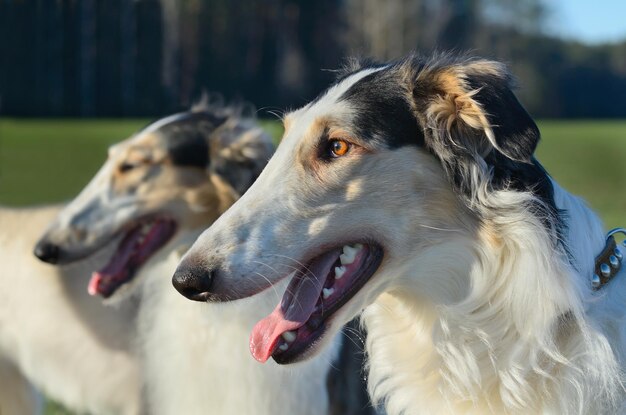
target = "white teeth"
x: 339, y: 271
x: 349, y: 253
x: 289, y: 336
x: 283, y: 347
x: 327, y: 292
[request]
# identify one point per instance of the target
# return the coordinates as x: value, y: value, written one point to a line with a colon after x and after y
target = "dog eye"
x: 338, y: 148
x: 124, y: 167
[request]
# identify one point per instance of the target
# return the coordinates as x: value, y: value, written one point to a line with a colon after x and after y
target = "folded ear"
x: 187, y: 139
x: 239, y: 153
x: 470, y: 109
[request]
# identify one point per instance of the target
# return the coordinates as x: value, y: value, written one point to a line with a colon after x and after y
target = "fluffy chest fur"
x: 530, y: 337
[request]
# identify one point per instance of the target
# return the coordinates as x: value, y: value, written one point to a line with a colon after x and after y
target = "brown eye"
x: 339, y: 148
x: 124, y: 167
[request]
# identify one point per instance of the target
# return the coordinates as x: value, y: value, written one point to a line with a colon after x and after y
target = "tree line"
x: 149, y: 57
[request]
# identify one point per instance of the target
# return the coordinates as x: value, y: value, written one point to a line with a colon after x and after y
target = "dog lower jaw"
x: 290, y: 336
x: 138, y: 245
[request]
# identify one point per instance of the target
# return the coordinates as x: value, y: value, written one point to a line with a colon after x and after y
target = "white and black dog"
x: 409, y: 191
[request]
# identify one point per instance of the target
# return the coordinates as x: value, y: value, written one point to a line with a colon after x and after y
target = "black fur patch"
x: 515, y: 131
x: 382, y: 111
x: 186, y: 138
x: 517, y: 136
x: 384, y: 115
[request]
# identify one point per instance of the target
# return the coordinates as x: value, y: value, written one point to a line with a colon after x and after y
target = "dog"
x: 90, y: 365
x: 157, y: 191
x: 54, y: 337
x: 408, y: 193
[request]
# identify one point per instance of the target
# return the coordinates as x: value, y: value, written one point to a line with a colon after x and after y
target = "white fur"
x: 193, y: 357
x: 54, y: 335
x: 476, y: 308
x: 506, y: 347
x: 196, y: 360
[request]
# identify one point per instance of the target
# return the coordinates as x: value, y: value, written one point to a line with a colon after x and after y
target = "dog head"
x: 389, y: 163
x: 177, y: 174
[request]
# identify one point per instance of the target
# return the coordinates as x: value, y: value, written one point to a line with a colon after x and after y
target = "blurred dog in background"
x: 53, y: 334
x: 156, y: 192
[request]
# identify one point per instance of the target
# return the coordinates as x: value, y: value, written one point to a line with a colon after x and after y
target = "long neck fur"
x: 521, y: 340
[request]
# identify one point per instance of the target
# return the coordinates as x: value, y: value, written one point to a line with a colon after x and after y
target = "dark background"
x: 111, y: 58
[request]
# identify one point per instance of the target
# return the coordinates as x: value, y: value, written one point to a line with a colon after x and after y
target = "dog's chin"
x: 323, y: 336
x: 124, y: 292
x: 320, y: 298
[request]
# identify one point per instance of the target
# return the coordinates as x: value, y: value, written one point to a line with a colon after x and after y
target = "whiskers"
x: 298, y: 270
x: 275, y: 111
x: 440, y: 229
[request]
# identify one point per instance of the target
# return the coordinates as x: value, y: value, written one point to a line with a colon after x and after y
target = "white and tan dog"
x: 154, y: 188
x: 54, y: 337
x: 409, y: 191
x: 157, y: 191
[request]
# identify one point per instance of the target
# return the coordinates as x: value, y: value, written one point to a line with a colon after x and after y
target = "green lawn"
x: 588, y: 158
x: 44, y: 161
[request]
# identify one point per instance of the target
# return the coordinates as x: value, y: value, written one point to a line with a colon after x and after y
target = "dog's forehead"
x: 328, y: 103
x: 160, y: 124
x: 181, y: 137
x: 372, y: 103
x: 148, y: 136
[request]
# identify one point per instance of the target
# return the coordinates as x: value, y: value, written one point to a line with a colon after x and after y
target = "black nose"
x: 193, y: 282
x: 47, y: 252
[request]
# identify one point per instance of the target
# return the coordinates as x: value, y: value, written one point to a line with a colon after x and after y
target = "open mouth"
x: 316, y: 292
x: 136, y: 247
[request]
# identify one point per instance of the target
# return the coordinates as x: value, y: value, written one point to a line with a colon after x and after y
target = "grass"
x: 51, y: 160
x: 588, y: 158
x: 43, y: 161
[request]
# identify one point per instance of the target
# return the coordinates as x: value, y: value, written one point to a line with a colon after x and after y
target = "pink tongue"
x: 299, y: 301
x: 117, y: 266
x: 266, y: 333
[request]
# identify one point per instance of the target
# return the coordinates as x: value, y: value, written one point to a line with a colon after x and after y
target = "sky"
x: 590, y: 21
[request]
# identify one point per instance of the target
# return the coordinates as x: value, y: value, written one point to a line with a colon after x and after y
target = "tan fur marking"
x: 339, y: 134
x: 287, y: 122
x: 307, y: 151
x: 354, y: 189
x: 486, y: 67
x: 491, y: 236
x: 453, y: 106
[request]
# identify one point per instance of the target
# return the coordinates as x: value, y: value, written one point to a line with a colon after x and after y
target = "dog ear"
x: 187, y: 139
x: 239, y: 155
x: 238, y: 149
x: 470, y: 110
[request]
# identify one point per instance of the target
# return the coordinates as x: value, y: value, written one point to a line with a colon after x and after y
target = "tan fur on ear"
x: 451, y: 107
x: 454, y: 102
